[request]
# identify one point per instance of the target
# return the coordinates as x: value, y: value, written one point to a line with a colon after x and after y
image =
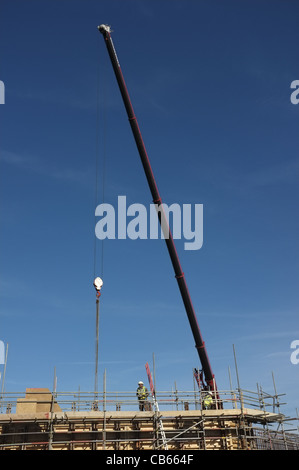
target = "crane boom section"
x: 199, y: 343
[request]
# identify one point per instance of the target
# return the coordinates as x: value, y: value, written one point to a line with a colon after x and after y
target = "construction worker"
x: 142, y: 394
x: 207, y: 401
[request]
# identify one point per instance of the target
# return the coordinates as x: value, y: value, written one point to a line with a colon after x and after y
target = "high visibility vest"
x: 207, y: 401
x: 141, y: 393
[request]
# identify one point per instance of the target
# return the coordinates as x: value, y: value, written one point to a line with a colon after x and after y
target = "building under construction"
x: 44, y: 420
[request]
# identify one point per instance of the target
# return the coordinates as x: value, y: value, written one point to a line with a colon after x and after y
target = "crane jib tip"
x: 104, y: 28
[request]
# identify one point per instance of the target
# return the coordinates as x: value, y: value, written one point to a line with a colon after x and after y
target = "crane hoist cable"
x: 101, y: 151
x: 97, y: 280
x: 98, y: 283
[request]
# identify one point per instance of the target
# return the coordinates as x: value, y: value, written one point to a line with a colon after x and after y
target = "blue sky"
x: 210, y: 84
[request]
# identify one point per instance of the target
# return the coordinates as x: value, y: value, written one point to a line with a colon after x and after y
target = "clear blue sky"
x: 210, y: 84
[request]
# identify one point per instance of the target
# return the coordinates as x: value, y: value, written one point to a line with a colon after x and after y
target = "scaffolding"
x: 246, y: 420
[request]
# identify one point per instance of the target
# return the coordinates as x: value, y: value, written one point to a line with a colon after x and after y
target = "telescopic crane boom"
x: 199, y: 343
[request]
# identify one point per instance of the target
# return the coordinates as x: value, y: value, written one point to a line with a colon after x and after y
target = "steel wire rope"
x: 100, y: 130
x: 103, y: 128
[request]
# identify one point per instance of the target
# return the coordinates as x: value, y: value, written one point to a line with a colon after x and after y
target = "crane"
x: 180, y: 277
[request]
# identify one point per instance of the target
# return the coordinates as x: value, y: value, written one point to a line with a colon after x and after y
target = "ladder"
x: 159, y: 417
x: 160, y: 423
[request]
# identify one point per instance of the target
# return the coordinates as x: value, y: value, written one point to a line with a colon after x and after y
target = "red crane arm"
x: 199, y: 343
